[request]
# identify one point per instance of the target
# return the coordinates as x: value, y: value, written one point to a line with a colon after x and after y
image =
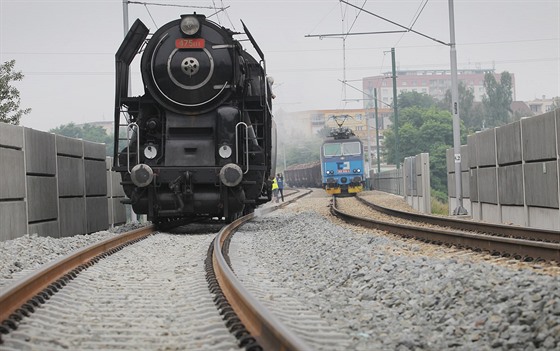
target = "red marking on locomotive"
x: 196, y: 43
x: 343, y: 171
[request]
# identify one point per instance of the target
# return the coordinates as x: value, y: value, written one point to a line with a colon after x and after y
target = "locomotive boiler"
x: 200, y: 142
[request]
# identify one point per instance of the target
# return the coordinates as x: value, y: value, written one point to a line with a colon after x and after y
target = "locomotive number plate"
x: 197, y: 43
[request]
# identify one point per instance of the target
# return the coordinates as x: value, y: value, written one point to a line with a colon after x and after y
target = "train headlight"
x: 150, y: 151
x: 225, y: 151
x: 190, y: 25
x: 357, y: 170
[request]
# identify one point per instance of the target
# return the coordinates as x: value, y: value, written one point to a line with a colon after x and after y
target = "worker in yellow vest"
x: 275, y: 189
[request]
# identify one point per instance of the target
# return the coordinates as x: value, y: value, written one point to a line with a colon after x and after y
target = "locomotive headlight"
x: 150, y: 152
x: 225, y: 151
x: 190, y: 25
x: 357, y: 170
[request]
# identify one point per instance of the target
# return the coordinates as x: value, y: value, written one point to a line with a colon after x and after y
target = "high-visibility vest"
x: 274, y: 184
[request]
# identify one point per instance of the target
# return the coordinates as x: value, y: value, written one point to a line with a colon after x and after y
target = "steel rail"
x: 461, y: 224
x: 494, y: 244
x: 269, y: 332
x: 28, y: 287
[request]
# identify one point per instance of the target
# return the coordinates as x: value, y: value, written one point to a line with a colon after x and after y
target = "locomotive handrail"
x: 128, y: 128
x: 246, y: 144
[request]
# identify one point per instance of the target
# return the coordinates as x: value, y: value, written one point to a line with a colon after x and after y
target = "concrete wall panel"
x: 96, y: 177
x: 97, y: 210
x: 508, y: 142
x: 538, y: 137
x: 465, y: 183
x: 510, y: 179
x: 450, y: 160
x: 11, y: 136
x: 476, y: 209
x: 94, y: 151
x: 71, y: 181
x: 513, y: 215
x: 557, y: 111
x: 49, y: 228
x: 40, y: 155
x: 72, y: 216
x: 12, y: 217
x: 119, y: 211
x: 12, y: 174
x: 541, y: 184
x: 490, y: 213
x: 487, y: 185
x: 471, y: 150
x: 116, y: 187
x: 69, y: 146
x: 486, y: 147
x: 464, y: 158
x: 546, y: 218
x: 473, y: 184
x: 41, y: 198
x: 451, y: 185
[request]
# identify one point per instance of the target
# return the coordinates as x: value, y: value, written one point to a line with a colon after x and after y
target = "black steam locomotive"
x: 201, y: 141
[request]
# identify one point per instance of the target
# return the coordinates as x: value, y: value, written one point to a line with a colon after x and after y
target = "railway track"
x: 63, y: 282
x: 522, y: 243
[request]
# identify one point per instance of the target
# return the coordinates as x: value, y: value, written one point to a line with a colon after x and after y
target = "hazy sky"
x: 66, y: 48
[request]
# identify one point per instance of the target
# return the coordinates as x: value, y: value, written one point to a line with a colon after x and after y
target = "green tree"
x: 424, y: 130
x: 497, y: 102
x: 470, y: 112
x: 415, y: 99
x: 9, y: 95
x: 87, y: 132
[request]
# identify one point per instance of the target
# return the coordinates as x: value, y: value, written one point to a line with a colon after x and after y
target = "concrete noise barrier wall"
x: 54, y: 185
x: 510, y: 174
x: 412, y: 181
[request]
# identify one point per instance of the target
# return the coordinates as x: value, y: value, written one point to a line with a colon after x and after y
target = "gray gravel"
x: 390, y: 294
x: 152, y: 295
x: 23, y: 255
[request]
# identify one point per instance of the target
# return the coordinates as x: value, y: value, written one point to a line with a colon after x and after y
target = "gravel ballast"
x: 21, y: 256
x: 381, y: 292
x: 393, y: 294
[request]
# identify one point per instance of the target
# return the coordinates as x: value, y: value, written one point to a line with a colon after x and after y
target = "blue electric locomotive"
x: 342, y: 163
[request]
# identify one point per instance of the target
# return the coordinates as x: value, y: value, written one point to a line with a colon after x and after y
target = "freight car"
x: 306, y: 175
x: 201, y: 139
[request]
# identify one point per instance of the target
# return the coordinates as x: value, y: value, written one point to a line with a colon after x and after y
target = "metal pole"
x: 368, y: 144
x: 459, y: 210
x: 376, y: 130
x: 395, y: 108
x: 125, y: 16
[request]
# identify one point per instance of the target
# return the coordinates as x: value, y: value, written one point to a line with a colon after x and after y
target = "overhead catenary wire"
x: 415, y: 18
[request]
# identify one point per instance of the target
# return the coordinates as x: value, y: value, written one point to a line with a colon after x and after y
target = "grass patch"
x: 439, y: 207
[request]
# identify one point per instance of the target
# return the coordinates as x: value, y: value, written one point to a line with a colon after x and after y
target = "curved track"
x: 254, y: 326
x: 268, y: 331
x: 19, y: 300
x: 478, y: 238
